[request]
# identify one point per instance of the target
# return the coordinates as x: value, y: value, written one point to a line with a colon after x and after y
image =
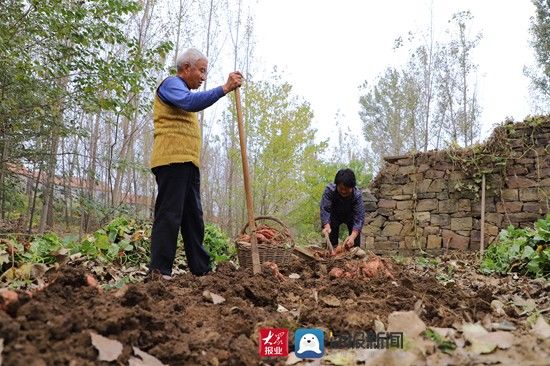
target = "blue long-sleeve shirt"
x: 342, y: 210
x: 174, y: 91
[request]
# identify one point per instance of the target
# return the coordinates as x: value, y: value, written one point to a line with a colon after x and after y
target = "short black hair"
x: 346, y: 177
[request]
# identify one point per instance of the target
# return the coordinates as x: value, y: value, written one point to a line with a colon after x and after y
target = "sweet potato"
x: 336, y: 272
x: 374, y: 267
x: 266, y: 235
x: 7, y: 297
x: 92, y: 282
x: 271, y: 266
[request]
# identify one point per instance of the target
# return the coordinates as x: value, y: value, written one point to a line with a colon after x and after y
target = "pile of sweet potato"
x: 364, y: 269
x: 267, y: 235
x: 339, y: 253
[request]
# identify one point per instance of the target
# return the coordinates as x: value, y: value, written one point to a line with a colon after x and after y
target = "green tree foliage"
x: 384, y: 115
x: 61, y: 60
x: 540, y: 32
x: 285, y: 160
x: 281, y: 144
x: 53, y: 49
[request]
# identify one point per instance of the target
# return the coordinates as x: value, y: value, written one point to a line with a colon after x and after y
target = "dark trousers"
x: 335, y: 231
x: 178, y: 206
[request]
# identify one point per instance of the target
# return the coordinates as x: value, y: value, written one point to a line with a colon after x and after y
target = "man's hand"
x: 326, y: 229
x: 349, y: 242
x: 234, y: 80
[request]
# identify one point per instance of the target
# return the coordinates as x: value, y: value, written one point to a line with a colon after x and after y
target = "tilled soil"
x: 173, y: 321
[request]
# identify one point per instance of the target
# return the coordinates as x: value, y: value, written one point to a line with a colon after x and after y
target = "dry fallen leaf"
x: 24, y: 271
x: 109, y: 349
x: 363, y: 355
x: 10, y: 274
x: 379, y: 326
x: 502, y: 339
x: 387, y: 357
x: 341, y: 358
x: 444, y: 332
x: 527, y: 306
x: 440, y: 358
x: 357, y: 252
x: 498, y: 307
x: 292, y: 359
x: 331, y: 300
x: 1, y: 349
x: 315, y: 295
x: 418, y: 307
x: 281, y: 309
x: 38, y: 270
x: 144, y: 359
x: 475, y: 333
x: 504, y: 325
x: 407, y: 322
x: 541, y: 329
x: 484, y: 342
x: 210, y: 296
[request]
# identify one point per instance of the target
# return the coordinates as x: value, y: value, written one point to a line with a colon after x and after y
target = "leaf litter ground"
x: 178, y: 323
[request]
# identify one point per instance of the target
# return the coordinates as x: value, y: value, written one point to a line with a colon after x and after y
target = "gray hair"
x: 189, y: 57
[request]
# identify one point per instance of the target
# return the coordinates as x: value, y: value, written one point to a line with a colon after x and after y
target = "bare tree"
x: 462, y: 47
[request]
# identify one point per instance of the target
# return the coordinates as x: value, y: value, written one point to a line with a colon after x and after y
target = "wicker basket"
x: 279, y: 254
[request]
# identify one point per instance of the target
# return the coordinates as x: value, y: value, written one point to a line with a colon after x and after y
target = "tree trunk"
x: 32, y: 206
x: 66, y: 174
x: 3, y: 171
x: 91, y: 172
x: 120, y: 170
x: 46, y: 217
x: 182, y: 12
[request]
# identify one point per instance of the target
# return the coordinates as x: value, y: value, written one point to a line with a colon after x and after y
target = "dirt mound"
x: 175, y: 322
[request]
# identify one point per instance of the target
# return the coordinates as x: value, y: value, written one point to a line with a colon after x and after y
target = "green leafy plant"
x: 118, y: 284
x: 41, y: 250
x: 426, y: 262
x: 524, y: 250
x: 443, y: 344
x: 123, y: 240
x: 446, y: 276
x: 123, y: 243
x: 217, y: 244
x: 399, y: 259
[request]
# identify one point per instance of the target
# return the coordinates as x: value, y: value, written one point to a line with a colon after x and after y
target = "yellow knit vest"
x: 177, y: 135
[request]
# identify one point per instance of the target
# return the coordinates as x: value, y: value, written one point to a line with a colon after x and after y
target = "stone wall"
x: 432, y: 200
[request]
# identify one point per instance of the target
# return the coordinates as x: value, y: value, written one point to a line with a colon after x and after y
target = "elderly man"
x: 342, y: 204
x: 175, y: 162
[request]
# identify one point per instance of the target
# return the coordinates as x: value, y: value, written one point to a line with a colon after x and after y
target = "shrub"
x: 217, y: 243
x: 521, y: 250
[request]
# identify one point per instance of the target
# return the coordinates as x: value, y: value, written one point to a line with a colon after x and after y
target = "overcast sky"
x: 326, y: 49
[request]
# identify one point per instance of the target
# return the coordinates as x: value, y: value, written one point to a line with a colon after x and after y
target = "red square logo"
x: 273, y: 342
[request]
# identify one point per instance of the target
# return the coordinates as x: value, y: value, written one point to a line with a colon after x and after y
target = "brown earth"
x: 173, y: 321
